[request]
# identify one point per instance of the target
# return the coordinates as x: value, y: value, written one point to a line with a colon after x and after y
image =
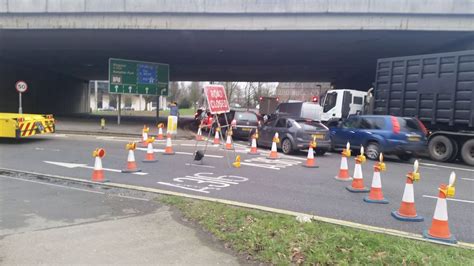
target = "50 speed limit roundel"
x: 21, y: 86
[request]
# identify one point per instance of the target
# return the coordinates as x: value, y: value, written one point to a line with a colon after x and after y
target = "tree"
x: 194, y: 93
x: 230, y: 89
x: 175, y: 91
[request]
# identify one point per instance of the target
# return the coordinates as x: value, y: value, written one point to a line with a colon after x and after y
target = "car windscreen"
x: 246, y: 117
x: 309, y: 125
x: 330, y: 101
x: 408, y: 124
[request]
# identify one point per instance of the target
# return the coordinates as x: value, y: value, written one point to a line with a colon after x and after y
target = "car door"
x: 281, y: 128
x: 266, y: 132
x: 344, y: 132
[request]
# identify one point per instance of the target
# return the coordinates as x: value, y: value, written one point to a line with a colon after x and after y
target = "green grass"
x: 187, y: 111
x: 281, y: 240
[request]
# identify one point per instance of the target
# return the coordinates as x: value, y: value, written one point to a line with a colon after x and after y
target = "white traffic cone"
x: 274, y: 152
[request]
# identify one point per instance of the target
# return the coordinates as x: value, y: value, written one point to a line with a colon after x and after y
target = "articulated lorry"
x: 438, y: 89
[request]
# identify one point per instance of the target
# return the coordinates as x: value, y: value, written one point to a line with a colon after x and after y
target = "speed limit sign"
x: 21, y: 86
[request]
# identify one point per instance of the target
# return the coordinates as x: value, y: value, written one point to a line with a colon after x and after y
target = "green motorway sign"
x: 137, y: 77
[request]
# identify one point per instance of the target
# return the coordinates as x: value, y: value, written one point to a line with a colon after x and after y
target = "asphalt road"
x: 282, y: 184
x: 59, y: 223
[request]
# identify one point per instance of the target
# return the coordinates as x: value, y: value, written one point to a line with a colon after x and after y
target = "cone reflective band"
x: 150, y: 152
x: 199, y: 134
x: 376, y: 194
x: 228, y: 143
x: 217, y: 139
x: 160, y: 131
x: 169, y: 145
x: 439, y: 229
x: 253, y: 147
x: 144, y: 135
x: 344, y: 168
x: 274, y: 153
x: 310, y: 162
x: 131, y: 164
x: 407, y: 210
x: 357, y: 185
x: 98, y: 172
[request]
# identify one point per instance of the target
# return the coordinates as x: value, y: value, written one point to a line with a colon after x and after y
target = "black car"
x: 295, y: 133
x: 245, y: 123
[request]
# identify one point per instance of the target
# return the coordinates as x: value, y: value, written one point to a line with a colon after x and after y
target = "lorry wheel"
x: 440, y: 148
x: 467, y: 152
x: 286, y: 146
x: 454, y: 156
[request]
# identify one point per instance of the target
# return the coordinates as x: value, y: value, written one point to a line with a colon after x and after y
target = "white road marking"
x: 128, y: 197
x: 200, y: 165
x: 205, y: 182
x: 184, y: 153
x: 468, y: 179
x: 427, y: 167
x: 43, y: 149
x: 448, y: 167
x: 460, y: 200
x: 76, y: 165
x: 60, y: 135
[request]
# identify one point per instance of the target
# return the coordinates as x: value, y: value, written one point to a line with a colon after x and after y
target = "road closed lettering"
x: 205, y: 182
x: 216, y: 99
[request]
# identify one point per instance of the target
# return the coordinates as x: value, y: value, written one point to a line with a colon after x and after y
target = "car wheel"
x: 467, y: 152
x: 286, y: 146
x: 320, y: 152
x: 372, y: 151
x: 440, y: 148
x: 405, y: 157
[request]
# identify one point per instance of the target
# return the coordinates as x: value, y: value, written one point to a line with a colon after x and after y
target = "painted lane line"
x: 370, y: 228
x: 78, y: 165
x: 199, y: 165
x: 468, y: 179
x: 181, y: 152
x: 460, y: 200
x: 448, y: 167
x: 60, y: 135
x: 52, y: 185
x: 431, y: 168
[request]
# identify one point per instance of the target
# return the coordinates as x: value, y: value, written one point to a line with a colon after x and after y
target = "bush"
x: 184, y: 103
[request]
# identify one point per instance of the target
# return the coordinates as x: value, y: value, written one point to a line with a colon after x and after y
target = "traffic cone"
x: 160, y: 131
x: 98, y: 173
x: 236, y: 164
x: 217, y: 139
x: 358, y: 178
x: 150, y: 152
x: 228, y: 143
x: 145, y: 131
x: 253, y: 147
x: 439, y: 229
x: 274, y: 153
x: 199, y: 136
x: 310, y: 163
x: 169, y: 146
x: 407, y: 211
x: 131, y: 164
x: 344, y: 169
x: 376, y: 194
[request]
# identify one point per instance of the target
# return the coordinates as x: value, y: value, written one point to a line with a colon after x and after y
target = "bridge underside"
x: 346, y: 58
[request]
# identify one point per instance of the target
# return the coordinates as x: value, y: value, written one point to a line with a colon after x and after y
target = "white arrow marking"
x: 78, y: 165
x: 116, y: 87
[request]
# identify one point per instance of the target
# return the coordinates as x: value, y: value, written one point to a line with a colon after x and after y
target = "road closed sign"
x: 21, y: 86
x: 216, y: 99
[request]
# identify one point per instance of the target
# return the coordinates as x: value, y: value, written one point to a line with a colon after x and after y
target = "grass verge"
x: 280, y: 239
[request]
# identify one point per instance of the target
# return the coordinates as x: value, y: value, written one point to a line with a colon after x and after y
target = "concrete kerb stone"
x: 369, y: 228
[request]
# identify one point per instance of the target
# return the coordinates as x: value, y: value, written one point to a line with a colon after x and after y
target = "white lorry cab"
x: 339, y: 104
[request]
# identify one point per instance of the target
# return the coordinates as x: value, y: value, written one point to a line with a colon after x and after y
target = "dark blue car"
x: 401, y: 136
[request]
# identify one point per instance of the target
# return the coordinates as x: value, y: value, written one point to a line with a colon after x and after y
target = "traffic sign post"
x: 137, y: 77
x: 21, y: 87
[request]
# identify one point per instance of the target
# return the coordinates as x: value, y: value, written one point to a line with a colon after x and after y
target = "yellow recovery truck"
x: 14, y: 125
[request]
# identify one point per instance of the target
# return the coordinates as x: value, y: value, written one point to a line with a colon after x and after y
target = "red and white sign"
x: 216, y: 99
x: 21, y: 86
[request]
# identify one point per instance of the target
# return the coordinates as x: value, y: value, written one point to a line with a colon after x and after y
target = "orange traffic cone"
x: 131, y: 164
x: 199, y: 136
x: 98, y: 173
x: 150, y: 152
x: 358, y: 178
x: 169, y: 145
x: 344, y: 169
x: 310, y: 163
x: 274, y: 153
x: 217, y: 139
x: 376, y: 194
x: 253, y: 147
x: 439, y: 229
x: 160, y: 131
x: 145, y: 131
x: 228, y: 143
x: 407, y: 211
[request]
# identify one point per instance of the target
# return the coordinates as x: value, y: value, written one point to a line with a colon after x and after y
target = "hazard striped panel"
x: 31, y: 128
